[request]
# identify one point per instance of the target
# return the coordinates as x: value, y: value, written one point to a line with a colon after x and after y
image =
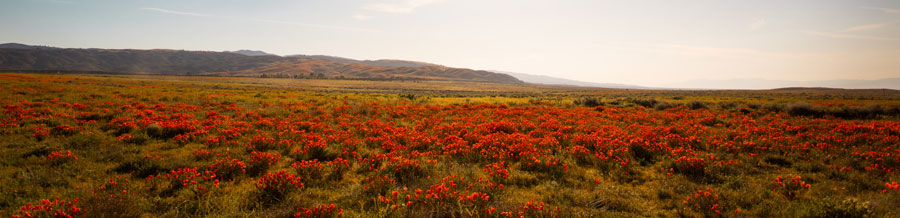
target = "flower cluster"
x: 890, y: 186
x: 58, y: 157
x: 530, y: 209
x: 278, y: 183
x: 48, y: 208
x: 792, y: 189
x: 198, y: 182
x: 705, y: 202
x: 321, y: 211
x: 260, y: 161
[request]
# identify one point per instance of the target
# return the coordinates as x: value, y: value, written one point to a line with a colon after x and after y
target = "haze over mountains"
x: 252, y: 63
x: 250, y: 53
x: 888, y: 83
x: 549, y: 80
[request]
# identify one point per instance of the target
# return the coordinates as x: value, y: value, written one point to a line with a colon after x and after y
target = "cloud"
x: 864, y: 27
x: 361, y: 17
x: 406, y: 6
x: 757, y: 23
x: 167, y: 11
x: 321, y: 26
x: 885, y: 10
x: 62, y: 1
x: 58, y: 1
x: 850, y: 36
x: 695, y: 50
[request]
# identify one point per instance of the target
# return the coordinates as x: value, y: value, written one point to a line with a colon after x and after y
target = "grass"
x: 241, y: 147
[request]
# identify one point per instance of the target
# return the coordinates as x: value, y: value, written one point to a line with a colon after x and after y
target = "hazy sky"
x: 629, y: 41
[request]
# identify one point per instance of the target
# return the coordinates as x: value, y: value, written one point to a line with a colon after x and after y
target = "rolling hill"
x: 304, y: 67
x: 18, y: 57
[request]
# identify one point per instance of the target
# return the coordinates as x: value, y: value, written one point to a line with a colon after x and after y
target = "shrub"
x: 201, y: 154
x: 276, y: 185
x: 64, y: 130
x: 309, y: 168
x: 261, y: 161
x: 696, y: 105
x: 198, y: 182
x: 228, y: 168
x: 142, y: 167
x: 547, y: 166
x: 647, y: 103
x: 728, y: 105
x: 802, y: 109
x: 690, y: 166
x: 338, y: 166
x: 706, y: 202
x: 791, y: 190
x: 666, y: 105
x: 847, y: 208
x: 589, y: 101
x: 406, y: 171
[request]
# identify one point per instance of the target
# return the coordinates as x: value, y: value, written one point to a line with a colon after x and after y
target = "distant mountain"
x: 165, y: 61
x: 24, y: 46
x: 541, y: 79
x: 250, y: 53
x: 382, y: 62
x: 889, y: 83
x: 128, y: 61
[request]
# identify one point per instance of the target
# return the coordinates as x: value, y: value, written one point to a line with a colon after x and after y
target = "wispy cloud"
x: 864, y: 27
x: 885, y: 10
x: 57, y: 1
x: 321, y: 26
x: 402, y: 7
x: 62, y: 1
x: 361, y: 17
x: 291, y: 23
x: 167, y: 11
x: 850, y: 36
x: 701, y: 51
x: 696, y: 50
x: 757, y: 23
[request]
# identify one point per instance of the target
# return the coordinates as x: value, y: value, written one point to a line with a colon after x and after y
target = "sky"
x: 639, y: 42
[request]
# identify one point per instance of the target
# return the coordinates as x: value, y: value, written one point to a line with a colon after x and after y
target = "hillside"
x: 17, y: 57
x: 303, y: 67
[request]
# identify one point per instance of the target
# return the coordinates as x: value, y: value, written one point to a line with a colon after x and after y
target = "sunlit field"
x: 172, y: 146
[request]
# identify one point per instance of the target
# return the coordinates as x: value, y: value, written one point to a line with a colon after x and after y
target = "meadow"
x: 179, y: 146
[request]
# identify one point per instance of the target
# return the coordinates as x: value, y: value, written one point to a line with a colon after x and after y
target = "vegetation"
x: 174, y: 146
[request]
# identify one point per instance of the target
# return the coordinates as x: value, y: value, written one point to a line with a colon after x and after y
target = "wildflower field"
x: 170, y: 146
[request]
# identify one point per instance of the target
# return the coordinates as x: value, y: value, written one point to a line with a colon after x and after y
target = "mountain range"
x: 250, y: 52
x: 20, y: 57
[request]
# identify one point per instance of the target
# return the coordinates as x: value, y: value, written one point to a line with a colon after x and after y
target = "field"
x: 172, y: 146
